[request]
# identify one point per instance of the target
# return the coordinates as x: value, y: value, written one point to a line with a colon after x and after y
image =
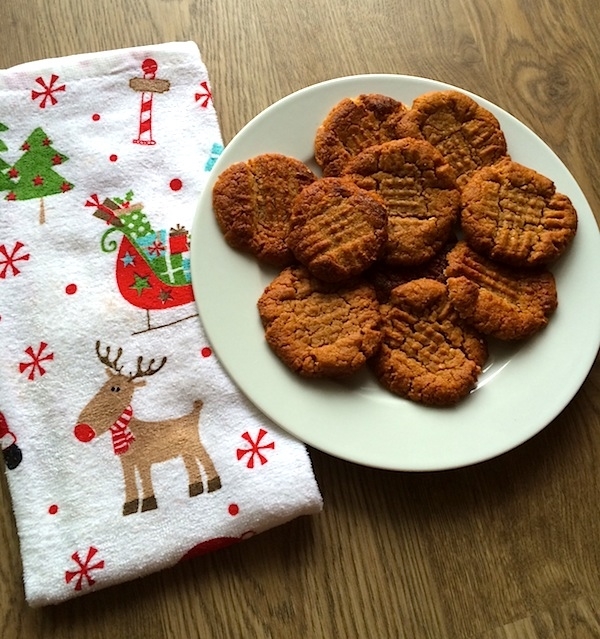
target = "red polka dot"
x: 71, y: 289
x: 96, y: 117
x: 53, y: 509
x: 176, y: 184
x: 233, y: 509
x: 113, y: 158
x: 206, y: 351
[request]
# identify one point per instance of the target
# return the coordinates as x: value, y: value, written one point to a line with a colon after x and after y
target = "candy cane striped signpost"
x: 147, y: 86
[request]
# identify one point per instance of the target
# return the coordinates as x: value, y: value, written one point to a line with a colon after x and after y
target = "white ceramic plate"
x: 523, y: 386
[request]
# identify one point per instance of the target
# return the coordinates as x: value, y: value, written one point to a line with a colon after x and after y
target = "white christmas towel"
x: 127, y: 448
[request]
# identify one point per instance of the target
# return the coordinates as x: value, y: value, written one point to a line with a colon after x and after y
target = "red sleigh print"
x: 140, y: 286
x: 151, y: 269
x: 211, y: 545
x: 140, y: 444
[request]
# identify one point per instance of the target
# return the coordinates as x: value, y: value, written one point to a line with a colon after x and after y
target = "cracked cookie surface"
x: 319, y: 329
x: 513, y: 214
x: 252, y: 202
x: 353, y: 125
x: 428, y: 354
x: 498, y: 300
x: 418, y: 188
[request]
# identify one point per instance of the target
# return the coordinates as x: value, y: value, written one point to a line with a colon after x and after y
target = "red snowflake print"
x: 36, y: 358
x: 48, y: 91
x: 204, y: 96
x: 8, y: 260
x: 82, y: 573
x: 255, y: 448
x: 157, y: 248
x: 12, y: 173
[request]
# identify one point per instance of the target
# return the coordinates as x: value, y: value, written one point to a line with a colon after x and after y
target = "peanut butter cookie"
x: 418, y: 188
x: 353, y: 125
x: 319, y: 329
x: 513, y: 214
x: 428, y: 354
x: 252, y: 202
x: 465, y: 133
x: 498, y: 300
x: 336, y: 229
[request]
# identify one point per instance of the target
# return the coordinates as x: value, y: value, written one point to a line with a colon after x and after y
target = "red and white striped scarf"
x: 121, y: 434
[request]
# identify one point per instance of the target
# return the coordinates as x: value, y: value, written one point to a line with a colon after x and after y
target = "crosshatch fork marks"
x: 495, y: 281
x: 432, y: 342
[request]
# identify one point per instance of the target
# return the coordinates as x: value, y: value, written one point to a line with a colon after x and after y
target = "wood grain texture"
x: 507, y: 549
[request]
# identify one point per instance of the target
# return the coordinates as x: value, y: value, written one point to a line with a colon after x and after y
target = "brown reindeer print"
x: 140, y: 444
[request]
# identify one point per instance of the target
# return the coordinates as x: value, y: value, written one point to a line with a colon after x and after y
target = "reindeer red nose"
x: 84, y: 433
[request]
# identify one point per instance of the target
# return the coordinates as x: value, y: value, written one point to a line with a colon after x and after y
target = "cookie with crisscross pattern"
x: 499, y: 301
x: 418, y: 188
x: 353, y: 125
x: 428, y: 353
x: 513, y: 214
x: 336, y: 229
x: 465, y: 133
x: 252, y: 202
x: 320, y: 329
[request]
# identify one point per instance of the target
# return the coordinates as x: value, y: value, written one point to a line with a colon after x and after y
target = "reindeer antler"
x: 140, y: 372
x: 149, y: 370
x: 105, y: 358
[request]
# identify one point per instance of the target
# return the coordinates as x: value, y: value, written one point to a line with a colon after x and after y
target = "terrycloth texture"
x: 127, y: 447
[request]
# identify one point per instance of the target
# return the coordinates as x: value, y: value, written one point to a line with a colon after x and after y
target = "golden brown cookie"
x: 428, y: 353
x: 252, y: 202
x: 319, y: 329
x: 420, y: 194
x: 385, y: 278
x: 336, y: 229
x: 353, y: 125
x: 465, y: 133
x: 513, y: 214
x: 498, y: 300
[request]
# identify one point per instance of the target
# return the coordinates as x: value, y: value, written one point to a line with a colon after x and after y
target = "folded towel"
x: 127, y: 447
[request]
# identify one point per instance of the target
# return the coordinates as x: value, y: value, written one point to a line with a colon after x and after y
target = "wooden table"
x: 507, y: 549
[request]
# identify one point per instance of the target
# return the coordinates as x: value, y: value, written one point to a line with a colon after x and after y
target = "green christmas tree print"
x: 34, y: 174
x: 5, y: 182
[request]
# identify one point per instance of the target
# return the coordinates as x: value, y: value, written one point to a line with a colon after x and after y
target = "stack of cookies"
x: 420, y: 240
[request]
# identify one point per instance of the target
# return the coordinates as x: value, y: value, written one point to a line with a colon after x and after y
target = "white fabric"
x: 60, y: 295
